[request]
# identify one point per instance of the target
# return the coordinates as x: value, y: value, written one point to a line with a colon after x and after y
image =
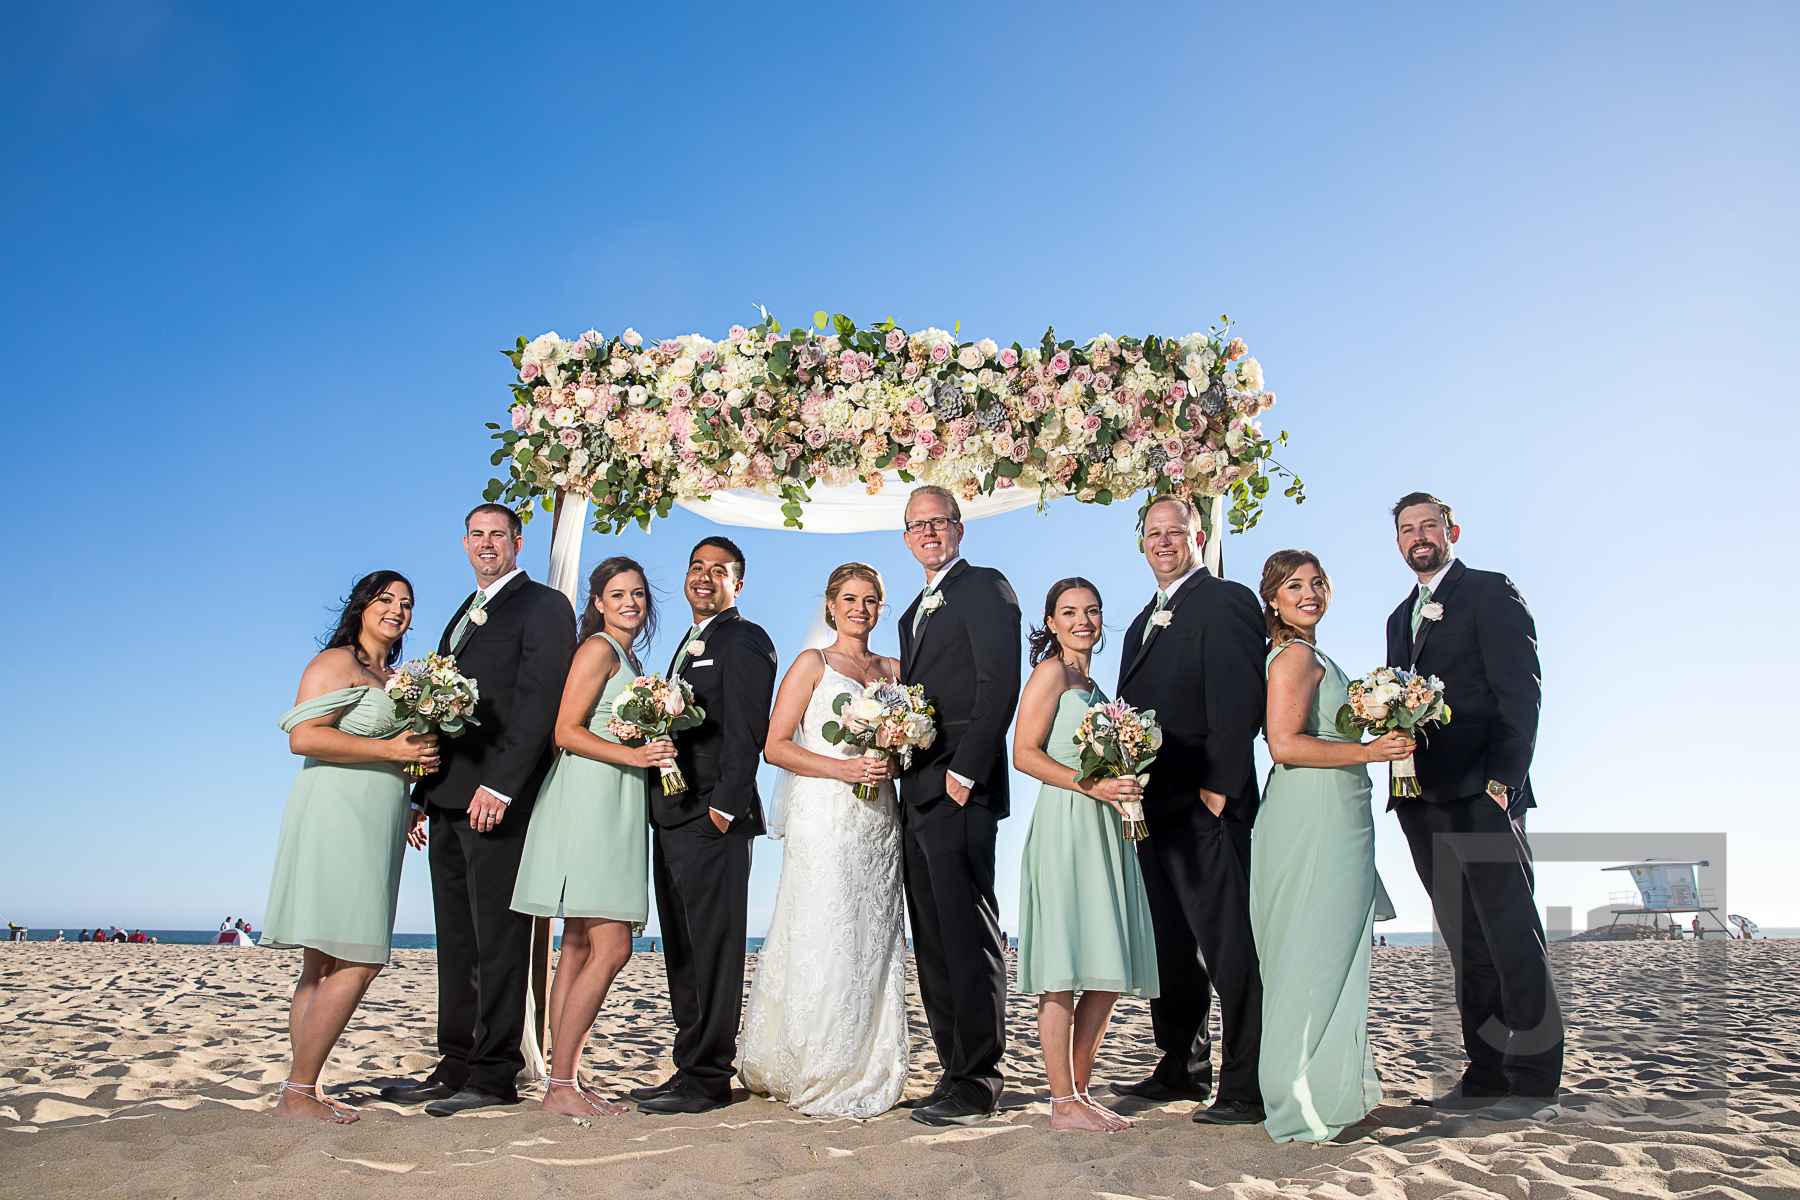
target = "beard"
x: 1426, y: 557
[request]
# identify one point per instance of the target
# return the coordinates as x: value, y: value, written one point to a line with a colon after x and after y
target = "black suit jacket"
x: 966, y: 657
x: 1485, y: 651
x: 519, y: 660
x: 734, y: 681
x: 1203, y: 674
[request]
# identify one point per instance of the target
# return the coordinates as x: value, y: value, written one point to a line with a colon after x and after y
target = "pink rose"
x: 940, y: 353
x: 1091, y: 424
x: 926, y: 438
x: 1173, y: 447
x: 681, y: 393
x: 711, y: 399
x: 1174, y: 468
x: 1009, y: 357
x: 672, y: 703
x: 737, y: 333
x: 764, y: 401
x: 570, y: 438
x: 901, y: 460
x: 910, y: 371
x: 521, y: 417
x: 1005, y: 482
x: 1059, y: 363
x: 632, y: 337
x: 1179, y: 391
x: 896, y: 338
x: 848, y: 372
x: 916, y: 405
x: 529, y: 372
x: 1083, y: 375
x: 816, y: 436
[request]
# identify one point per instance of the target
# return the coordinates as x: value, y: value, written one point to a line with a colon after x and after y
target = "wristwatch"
x: 1497, y: 790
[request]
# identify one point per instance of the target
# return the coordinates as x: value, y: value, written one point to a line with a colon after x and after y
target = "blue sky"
x: 257, y: 263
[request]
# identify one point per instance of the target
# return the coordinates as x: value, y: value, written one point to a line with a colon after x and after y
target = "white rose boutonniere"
x: 1161, y: 620
x: 696, y: 648
x: 1431, y: 610
x: 478, y: 616
x: 931, y: 602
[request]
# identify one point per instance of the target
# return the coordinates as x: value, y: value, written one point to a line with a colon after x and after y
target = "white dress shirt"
x: 931, y: 581
x: 1175, y: 584
x: 698, y: 634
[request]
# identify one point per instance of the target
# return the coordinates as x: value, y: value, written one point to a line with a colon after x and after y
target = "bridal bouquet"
x: 652, y: 707
x: 1117, y: 740
x: 881, y: 719
x: 431, y: 694
x: 1389, y: 698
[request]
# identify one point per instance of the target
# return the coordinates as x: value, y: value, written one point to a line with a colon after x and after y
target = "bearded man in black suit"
x: 959, y: 640
x: 1466, y: 828
x: 1195, y: 655
x: 515, y: 639
x: 701, y: 843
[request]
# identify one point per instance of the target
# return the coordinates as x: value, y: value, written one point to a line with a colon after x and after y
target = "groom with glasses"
x: 959, y: 640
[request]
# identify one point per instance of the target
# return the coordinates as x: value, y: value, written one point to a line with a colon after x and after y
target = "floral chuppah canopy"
x: 778, y: 428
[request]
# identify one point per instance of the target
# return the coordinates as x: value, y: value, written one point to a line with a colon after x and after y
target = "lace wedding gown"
x: 825, y: 1028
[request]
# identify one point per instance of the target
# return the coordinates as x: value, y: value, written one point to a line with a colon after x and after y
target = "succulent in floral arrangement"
x: 951, y: 403
x: 990, y: 418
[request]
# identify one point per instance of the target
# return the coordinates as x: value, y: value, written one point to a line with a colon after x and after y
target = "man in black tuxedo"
x: 959, y: 640
x: 1466, y: 828
x: 702, y: 835
x: 1195, y: 655
x: 515, y: 639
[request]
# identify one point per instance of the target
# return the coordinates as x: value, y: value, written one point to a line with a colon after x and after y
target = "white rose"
x: 1234, y: 440
x: 969, y: 357
x: 637, y: 393
x: 683, y: 368
x: 1251, y: 373
x: 987, y: 347
x: 584, y: 396
x: 711, y: 381
x: 618, y: 366
x: 547, y: 350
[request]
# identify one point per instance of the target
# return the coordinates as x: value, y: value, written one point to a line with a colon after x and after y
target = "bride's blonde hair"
x: 843, y: 575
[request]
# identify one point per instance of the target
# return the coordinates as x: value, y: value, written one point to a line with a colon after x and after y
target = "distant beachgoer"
x: 1384, y: 939
x: 58, y: 937
x: 345, y: 831
x: 83, y: 937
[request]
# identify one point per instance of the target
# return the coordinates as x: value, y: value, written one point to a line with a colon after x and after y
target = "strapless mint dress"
x: 1084, y: 918
x: 343, y: 836
x: 587, y: 850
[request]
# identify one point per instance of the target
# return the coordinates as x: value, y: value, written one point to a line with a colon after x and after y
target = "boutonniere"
x: 931, y: 602
x: 696, y: 648
x: 1161, y: 620
x: 478, y: 616
x: 1431, y: 610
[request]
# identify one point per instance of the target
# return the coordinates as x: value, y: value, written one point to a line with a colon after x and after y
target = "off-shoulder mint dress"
x: 1084, y: 919
x: 1313, y: 891
x: 587, y: 850
x: 337, y: 865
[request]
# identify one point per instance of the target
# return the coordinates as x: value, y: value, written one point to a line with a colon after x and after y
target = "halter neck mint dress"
x: 337, y: 865
x: 1313, y: 894
x: 587, y: 849
x: 1084, y: 919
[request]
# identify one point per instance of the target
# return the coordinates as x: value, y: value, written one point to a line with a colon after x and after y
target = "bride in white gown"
x: 825, y: 1027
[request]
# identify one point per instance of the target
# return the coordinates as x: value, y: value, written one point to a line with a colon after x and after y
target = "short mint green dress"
x: 587, y: 849
x: 1084, y: 920
x: 1312, y: 905
x: 337, y: 865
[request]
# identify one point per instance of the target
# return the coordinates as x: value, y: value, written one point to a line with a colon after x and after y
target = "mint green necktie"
x: 1162, y: 602
x: 681, y: 650
x: 1419, y: 608
x: 919, y: 615
x: 462, y: 626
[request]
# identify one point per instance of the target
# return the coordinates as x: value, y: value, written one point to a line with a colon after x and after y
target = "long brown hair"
x: 844, y: 574
x: 1278, y: 570
x: 593, y: 622
x: 1043, y: 642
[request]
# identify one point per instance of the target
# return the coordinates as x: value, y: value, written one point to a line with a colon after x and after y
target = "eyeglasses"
x: 932, y: 525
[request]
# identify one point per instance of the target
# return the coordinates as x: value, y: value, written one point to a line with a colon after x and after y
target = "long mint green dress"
x: 1312, y: 905
x: 337, y: 865
x: 1085, y: 923
x: 587, y: 850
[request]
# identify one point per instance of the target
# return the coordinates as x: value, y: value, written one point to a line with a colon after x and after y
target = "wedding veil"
x: 818, y: 636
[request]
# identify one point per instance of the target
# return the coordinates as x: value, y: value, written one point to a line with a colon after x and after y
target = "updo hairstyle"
x: 1043, y: 643
x: 1277, y: 571
x: 844, y: 574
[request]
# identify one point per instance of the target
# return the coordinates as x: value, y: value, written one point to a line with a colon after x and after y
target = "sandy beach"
x: 130, y: 1071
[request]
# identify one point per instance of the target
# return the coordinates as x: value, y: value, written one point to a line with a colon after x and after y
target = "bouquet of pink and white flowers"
x: 652, y: 707
x: 1117, y: 740
x: 881, y: 719
x: 431, y: 694
x: 1392, y: 698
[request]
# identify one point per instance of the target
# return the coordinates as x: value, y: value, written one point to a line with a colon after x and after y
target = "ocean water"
x: 647, y: 945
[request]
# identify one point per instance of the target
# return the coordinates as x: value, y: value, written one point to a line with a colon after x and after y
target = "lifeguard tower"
x: 1667, y: 888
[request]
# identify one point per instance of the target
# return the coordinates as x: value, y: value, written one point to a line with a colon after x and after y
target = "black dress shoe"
x: 953, y: 1110
x: 1459, y: 1100
x: 936, y: 1095
x: 465, y: 1100
x: 418, y: 1093
x: 654, y: 1090
x: 1161, y: 1093
x: 1230, y: 1112
x: 682, y: 1099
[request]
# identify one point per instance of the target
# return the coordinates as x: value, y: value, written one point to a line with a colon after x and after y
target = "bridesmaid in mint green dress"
x: 586, y: 856
x: 347, y: 824
x: 1313, y: 886
x: 1085, y: 922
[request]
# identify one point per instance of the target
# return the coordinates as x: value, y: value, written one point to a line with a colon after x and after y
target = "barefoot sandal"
x: 586, y: 1097
x: 1108, y: 1114
x: 311, y: 1092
